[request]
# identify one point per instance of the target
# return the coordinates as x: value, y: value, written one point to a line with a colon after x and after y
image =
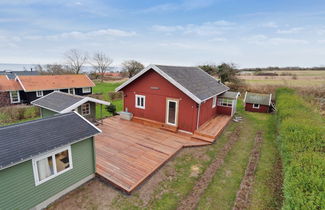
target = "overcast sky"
x: 250, y: 33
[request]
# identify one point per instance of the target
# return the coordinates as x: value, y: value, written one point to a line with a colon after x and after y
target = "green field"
x: 104, y: 88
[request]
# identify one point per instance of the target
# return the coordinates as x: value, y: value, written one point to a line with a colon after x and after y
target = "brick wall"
x: 4, y: 99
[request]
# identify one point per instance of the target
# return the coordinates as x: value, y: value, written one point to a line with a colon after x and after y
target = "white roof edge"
x: 163, y: 74
x: 88, y: 121
x: 82, y: 101
x: 17, y: 77
x: 90, y: 80
x: 270, y: 99
x: 245, y: 97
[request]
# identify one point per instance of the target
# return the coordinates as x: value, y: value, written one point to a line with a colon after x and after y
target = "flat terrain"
x: 173, y: 182
x: 287, y: 78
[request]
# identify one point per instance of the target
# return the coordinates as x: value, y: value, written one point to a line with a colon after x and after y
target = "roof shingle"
x: 9, y: 85
x: 21, y: 142
x: 257, y: 98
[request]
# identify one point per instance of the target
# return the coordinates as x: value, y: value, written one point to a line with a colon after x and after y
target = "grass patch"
x: 104, y: 88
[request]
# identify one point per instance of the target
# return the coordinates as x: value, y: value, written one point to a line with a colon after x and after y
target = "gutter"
x: 198, y: 117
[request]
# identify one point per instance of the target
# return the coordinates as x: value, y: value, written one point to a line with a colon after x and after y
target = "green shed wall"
x: 17, y: 185
x: 92, y: 115
x: 47, y: 113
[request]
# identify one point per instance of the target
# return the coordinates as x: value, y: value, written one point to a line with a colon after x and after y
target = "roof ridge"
x: 37, y: 120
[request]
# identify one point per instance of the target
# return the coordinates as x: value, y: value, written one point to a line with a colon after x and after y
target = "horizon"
x: 251, y: 34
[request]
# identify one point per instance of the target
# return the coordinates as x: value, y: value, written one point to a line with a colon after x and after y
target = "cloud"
x: 261, y: 39
x: 290, y: 30
x: 204, y: 29
x: 270, y: 25
x: 108, y: 33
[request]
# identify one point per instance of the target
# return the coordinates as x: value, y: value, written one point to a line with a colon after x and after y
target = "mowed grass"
x: 104, y: 88
x: 286, y: 83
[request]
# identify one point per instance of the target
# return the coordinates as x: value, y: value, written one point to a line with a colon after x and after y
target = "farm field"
x: 286, y: 78
x: 173, y: 182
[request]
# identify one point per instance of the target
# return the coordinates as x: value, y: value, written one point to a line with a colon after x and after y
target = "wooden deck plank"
x: 128, y: 152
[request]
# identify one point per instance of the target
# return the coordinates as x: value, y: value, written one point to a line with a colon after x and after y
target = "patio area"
x: 128, y: 152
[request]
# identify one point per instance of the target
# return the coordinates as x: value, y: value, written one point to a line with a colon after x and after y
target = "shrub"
x: 115, y: 95
x: 111, y: 109
x: 302, y: 145
x: 12, y: 114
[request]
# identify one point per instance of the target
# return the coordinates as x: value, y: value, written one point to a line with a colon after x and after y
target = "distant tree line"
x: 76, y: 60
x: 290, y: 68
x: 225, y: 71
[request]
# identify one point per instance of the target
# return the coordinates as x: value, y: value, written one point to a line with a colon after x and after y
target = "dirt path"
x: 191, y: 201
x: 242, y: 198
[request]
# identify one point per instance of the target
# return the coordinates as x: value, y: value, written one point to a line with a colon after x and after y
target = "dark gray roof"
x: 57, y: 101
x: 194, y: 79
x: 13, y: 74
x: 229, y: 94
x: 257, y: 98
x: 21, y: 142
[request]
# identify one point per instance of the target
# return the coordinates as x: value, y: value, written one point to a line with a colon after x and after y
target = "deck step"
x: 198, y: 133
x: 203, y: 138
x: 169, y: 128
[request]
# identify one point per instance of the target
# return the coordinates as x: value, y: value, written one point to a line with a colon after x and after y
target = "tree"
x: 132, y: 67
x: 53, y: 69
x: 227, y: 72
x: 101, y: 63
x: 111, y: 109
x: 75, y: 60
x: 209, y: 68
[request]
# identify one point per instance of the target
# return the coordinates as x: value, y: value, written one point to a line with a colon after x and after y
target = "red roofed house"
x: 24, y: 89
x: 182, y: 98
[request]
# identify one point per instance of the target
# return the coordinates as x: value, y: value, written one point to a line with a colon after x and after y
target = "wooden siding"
x: 262, y: 109
x: 47, y: 113
x: 207, y: 112
x: 157, y: 90
x: 4, y: 99
x: 92, y: 115
x: 17, y: 185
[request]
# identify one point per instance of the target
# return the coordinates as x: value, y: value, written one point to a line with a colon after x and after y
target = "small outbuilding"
x: 227, y: 103
x: 44, y: 159
x: 59, y: 103
x: 256, y: 102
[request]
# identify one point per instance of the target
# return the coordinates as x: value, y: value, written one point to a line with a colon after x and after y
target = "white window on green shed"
x: 71, y: 91
x: 39, y: 93
x: 85, y: 109
x: 86, y: 90
x: 51, y: 165
x: 14, y: 97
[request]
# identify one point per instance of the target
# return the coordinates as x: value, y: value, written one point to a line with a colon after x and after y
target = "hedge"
x: 302, y: 145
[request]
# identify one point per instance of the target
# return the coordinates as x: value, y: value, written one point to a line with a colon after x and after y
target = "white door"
x: 172, y: 112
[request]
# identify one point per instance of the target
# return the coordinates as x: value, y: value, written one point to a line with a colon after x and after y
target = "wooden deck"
x: 210, y: 130
x: 128, y: 152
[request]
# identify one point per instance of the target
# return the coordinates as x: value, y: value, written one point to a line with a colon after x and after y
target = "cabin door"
x: 172, y: 112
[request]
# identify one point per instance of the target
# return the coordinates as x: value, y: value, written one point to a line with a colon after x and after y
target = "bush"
x: 111, y: 109
x: 12, y: 114
x: 115, y: 95
x: 302, y: 145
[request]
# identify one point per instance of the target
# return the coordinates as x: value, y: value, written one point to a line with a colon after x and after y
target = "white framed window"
x: 140, y: 101
x: 86, y: 90
x: 39, y: 93
x: 51, y: 165
x: 85, y: 109
x: 71, y: 91
x: 214, y: 101
x: 225, y: 102
x: 57, y: 90
x: 256, y: 106
x: 14, y: 97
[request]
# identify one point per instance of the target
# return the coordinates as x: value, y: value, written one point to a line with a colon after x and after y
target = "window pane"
x: 142, y: 102
x: 45, y: 168
x: 172, y: 112
x: 62, y: 160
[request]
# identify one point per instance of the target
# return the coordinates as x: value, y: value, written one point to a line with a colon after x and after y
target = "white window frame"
x: 57, y: 90
x: 73, y: 91
x: 225, y: 102
x: 144, y: 101
x: 39, y: 93
x: 35, y: 170
x: 176, y: 112
x: 86, y: 90
x: 18, y: 97
x: 214, y: 101
x: 256, y: 107
x: 85, y: 104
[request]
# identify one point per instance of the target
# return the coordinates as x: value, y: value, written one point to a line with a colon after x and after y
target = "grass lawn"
x: 20, y: 121
x: 105, y: 88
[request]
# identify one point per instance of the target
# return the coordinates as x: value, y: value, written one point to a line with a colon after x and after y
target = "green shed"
x: 42, y: 160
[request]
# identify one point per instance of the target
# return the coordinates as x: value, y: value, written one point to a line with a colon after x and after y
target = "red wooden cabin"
x: 180, y: 97
x: 255, y: 102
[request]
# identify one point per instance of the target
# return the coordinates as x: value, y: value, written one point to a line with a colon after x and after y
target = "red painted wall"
x: 207, y: 112
x: 262, y: 109
x: 157, y: 89
x: 224, y: 110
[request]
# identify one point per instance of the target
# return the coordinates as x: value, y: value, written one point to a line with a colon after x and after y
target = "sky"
x: 249, y: 33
